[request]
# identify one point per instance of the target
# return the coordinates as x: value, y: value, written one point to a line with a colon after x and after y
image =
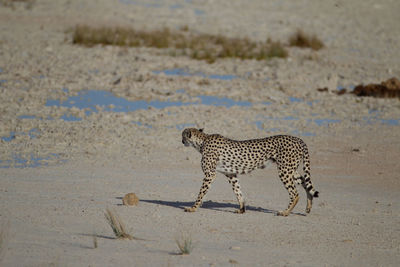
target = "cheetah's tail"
x: 307, y: 176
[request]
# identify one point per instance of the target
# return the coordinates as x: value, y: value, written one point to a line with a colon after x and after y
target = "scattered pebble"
x: 231, y: 261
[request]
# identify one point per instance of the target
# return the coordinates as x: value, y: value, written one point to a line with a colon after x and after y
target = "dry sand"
x: 63, y: 166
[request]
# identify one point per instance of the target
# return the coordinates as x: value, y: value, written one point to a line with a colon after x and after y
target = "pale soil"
x: 49, y: 213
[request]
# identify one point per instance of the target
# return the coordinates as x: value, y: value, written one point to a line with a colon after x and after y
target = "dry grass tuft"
x: 185, y: 28
x: 184, y: 42
x: 276, y: 50
x: 303, y: 40
x: 11, y: 3
x: 3, y: 238
x: 117, y: 225
x: 389, y: 88
x: 184, y: 244
x: 121, y: 36
x: 95, y: 243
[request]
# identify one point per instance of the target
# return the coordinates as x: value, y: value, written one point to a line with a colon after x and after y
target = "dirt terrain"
x: 81, y: 127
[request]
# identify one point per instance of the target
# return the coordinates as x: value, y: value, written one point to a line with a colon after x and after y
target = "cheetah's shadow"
x: 212, y: 205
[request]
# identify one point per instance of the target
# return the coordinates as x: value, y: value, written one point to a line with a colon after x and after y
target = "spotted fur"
x: 232, y: 157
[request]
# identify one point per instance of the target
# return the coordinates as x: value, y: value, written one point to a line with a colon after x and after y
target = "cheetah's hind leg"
x: 309, y: 197
x: 299, y: 179
x: 287, y: 176
x: 292, y: 204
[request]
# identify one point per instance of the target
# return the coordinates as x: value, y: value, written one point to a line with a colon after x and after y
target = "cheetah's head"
x: 193, y: 137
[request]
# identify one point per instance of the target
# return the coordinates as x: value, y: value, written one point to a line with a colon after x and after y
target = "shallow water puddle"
x: 142, y: 124
x: 66, y: 117
x: 27, y: 117
x: 31, y: 161
x: 92, y: 100
x: 294, y: 100
x: 222, y: 101
x: 324, y: 122
x: 391, y: 122
x: 183, y: 72
x: 26, y: 161
x: 349, y: 88
x: 375, y: 117
x: 264, y: 121
x: 182, y: 126
x: 153, y: 3
x: 32, y: 134
x: 160, y: 4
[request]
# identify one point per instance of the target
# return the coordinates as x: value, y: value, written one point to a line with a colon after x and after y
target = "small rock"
x: 234, y: 248
x: 130, y: 199
x: 341, y: 91
x: 324, y: 89
x: 232, y: 261
x: 117, y: 80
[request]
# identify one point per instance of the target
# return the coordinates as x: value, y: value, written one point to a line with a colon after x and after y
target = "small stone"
x: 117, y: 80
x: 130, y: 199
x: 234, y: 248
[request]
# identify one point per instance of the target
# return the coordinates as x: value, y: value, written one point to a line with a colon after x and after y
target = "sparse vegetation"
x: 276, y: 50
x: 11, y: 3
x: 185, y: 28
x: 95, y: 244
x: 203, y: 82
x: 197, y: 46
x: 389, y: 88
x: 3, y: 238
x: 303, y: 40
x: 184, y: 244
x: 386, y: 89
x: 117, y: 225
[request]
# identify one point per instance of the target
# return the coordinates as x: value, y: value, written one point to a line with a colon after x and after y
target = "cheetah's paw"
x: 191, y: 209
x: 283, y: 213
x: 239, y: 211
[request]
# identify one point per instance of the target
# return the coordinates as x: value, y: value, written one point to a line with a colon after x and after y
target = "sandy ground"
x: 63, y: 166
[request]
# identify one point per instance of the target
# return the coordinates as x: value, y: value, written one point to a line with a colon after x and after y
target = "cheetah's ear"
x: 201, y: 130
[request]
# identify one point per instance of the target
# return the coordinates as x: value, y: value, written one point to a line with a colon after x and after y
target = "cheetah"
x: 231, y: 157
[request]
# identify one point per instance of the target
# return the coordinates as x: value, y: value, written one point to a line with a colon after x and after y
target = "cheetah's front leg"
x: 208, y: 165
x: 203, y: 190
x: 236, y: 189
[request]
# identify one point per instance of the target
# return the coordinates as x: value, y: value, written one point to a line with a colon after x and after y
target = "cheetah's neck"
x: 198, y: 142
